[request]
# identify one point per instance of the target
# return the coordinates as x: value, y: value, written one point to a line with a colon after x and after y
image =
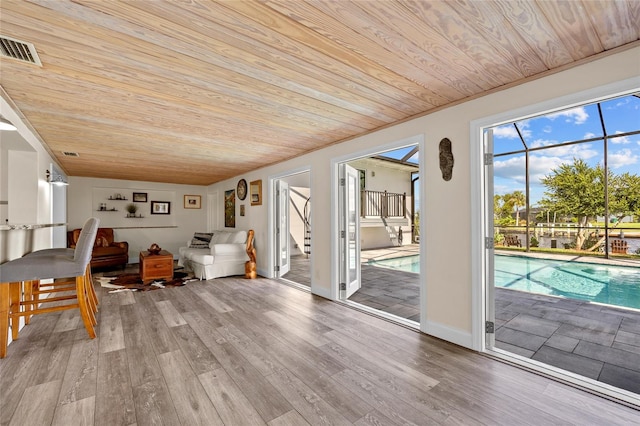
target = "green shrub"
x: 534, y: 242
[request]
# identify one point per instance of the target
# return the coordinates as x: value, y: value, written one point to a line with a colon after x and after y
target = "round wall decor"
x: 241, y: 190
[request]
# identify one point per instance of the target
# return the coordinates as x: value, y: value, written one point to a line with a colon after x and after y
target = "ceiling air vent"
x: 20, y: 50
x: 70, y: 154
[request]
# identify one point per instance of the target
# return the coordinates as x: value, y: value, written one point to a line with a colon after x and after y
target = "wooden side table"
x: 156, y: 266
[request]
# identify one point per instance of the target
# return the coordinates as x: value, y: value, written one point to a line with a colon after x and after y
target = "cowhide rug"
x: 132, y: 282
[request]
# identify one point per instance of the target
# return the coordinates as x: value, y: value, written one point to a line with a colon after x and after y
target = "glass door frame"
x: 418, y: 140
x: 482, y: 209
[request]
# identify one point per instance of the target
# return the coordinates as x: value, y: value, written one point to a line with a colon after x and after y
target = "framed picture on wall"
x: 160, y: 207
x: 230, y: 208
x: 139, y: 197
x: 192, y: 201
x: 255, y: 189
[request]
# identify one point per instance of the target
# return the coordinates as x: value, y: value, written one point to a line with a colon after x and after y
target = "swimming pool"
x: 405, y: 263
x: 609, y: 284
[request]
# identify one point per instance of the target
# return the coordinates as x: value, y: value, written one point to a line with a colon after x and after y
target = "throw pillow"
x: 201, y: 240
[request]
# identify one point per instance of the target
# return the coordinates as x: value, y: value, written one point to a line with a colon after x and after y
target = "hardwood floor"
x: 238, y: 352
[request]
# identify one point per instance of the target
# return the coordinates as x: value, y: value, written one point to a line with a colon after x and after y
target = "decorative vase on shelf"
x: 132, y: 209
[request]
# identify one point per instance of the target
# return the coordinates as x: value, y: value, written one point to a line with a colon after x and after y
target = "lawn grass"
x: 624, y: 225
x: 562, y: 251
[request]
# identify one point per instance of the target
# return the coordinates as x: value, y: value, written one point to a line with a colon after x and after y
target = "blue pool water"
x: 609, y: 284
x: 405, y: 263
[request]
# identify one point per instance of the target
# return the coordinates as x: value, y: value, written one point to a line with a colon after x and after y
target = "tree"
x: 502, y: 210
x: 576, y: 189
x: 497, y: 208
x: 624, y: 196
x: 515, y: 199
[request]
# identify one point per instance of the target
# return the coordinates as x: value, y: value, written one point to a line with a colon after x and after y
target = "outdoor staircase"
x: 396, y: 239
x: 307, y: 227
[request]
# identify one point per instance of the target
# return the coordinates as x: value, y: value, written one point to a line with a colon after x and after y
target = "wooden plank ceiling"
x: 199, y: 91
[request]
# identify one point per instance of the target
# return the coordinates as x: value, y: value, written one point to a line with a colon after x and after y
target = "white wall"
x: 25, y: 194
x: 446, y: 211
x: 384, y: 176
x: 169, y: 231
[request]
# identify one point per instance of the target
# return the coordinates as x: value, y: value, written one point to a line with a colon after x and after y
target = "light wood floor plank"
x: 77, y: 413
x: 29, y: 412
x: 302, y: 330
x: 114, y: 397
x: 80, y: 377
x: 21, y: 369
x: 348, y: 404
x: 170, y: 315
x: 381, y: 399
x: 257, y: 327
x: 262, y: 395
x: 232, y: 406
x: 587, y: 406
x: 126, y: 298
x: 197, y: 354
x: 215, y: 302
x: 154, y: 405
x: 253, y: 352
x: 111, y: 334
x: 189, y: 397
x: 185, y: 299
x: 291, y: 418
x: 67, y: 320
x: 321, y: 360
x: 54, y: 361
x: 376, y: 418
x: 158, y: 331
x: 419, y: 397
x: 143, y: 368
x: 402, y: 371
x: 313, y: 408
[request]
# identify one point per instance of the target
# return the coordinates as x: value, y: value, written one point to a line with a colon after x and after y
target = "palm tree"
x: 517, y: 200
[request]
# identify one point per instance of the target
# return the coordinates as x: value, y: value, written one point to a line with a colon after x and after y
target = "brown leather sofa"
x: 105, y: 252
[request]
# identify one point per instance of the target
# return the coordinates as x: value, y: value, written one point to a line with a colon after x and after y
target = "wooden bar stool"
x: 33, y: 289
x: 56, y: 266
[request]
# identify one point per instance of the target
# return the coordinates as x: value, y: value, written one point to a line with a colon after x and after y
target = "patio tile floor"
x: 596, y: 341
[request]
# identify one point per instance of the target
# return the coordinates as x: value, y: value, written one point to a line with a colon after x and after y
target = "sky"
x: 620, y: 115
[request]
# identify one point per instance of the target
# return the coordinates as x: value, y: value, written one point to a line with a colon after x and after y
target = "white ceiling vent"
x: 70, y: 154
x: 20, y: 50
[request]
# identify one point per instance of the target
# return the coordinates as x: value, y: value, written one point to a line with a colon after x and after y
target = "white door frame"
x: 335, y: 220
x: 270, y: 270
x: 282, y: 200
x: 349, y: 231
x: 481, y: 208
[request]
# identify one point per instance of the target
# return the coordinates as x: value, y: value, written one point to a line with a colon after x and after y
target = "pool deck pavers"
x: 597, y: 341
